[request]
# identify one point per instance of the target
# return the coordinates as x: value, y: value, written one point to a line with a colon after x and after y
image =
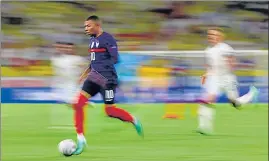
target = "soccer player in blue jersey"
x: 100, y: 77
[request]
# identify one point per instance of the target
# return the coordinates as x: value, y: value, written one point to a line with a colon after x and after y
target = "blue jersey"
x: 103, y: 52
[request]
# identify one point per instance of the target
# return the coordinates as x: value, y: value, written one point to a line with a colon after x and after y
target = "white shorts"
x: 66, y: 92
x: 217, y: 85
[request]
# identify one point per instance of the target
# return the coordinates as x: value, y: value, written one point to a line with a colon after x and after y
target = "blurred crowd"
x: 137, y: 25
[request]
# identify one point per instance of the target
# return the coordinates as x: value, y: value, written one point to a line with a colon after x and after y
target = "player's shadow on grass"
x: 217, y: 136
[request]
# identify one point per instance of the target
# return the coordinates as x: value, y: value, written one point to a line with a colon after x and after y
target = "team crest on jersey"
x: 94, y: 43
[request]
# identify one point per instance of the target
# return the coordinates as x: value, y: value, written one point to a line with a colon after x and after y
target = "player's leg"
x: 90, y: 103
x: 233, y: 96
x: 89, y: 89
x: 113, y: 111
x: 70, y: 92
x: 252, y: 95
x: 59, y: 95
x: 206, y: 113
x: 206, y: 110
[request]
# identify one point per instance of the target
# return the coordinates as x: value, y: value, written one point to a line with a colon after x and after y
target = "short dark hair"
x: 216, y: 29
x: 93, y: 18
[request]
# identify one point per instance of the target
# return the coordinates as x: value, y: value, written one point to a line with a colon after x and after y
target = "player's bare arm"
x: 203, y: 77
x: 231, y: 62
x: 207, y: 70
x: 84, y: 74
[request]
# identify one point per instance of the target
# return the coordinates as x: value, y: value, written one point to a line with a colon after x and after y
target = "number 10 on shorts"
x: 109, y: 94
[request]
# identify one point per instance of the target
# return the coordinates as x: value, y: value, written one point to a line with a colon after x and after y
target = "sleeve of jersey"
x: 112, y: 48
x: 229, y: 51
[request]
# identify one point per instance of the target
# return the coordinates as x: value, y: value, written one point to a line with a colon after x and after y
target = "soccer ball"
x: 67, y: 147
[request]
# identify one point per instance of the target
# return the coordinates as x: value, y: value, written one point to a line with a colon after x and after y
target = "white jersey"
x: 67, y: 70
x: 67, y: 67
x: 216, y: 59
x: 220, y: 77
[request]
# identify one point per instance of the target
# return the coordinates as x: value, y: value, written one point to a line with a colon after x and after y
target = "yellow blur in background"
x: 28, y: 71
x: 137, y: 25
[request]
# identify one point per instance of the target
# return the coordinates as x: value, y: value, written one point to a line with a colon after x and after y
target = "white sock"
x: 245, y: 98
x: 209, y: 123
x: 206, y: 118
x: 81, y: 137
x: 201, y: 117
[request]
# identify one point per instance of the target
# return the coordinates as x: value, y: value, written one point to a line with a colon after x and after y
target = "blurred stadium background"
x: 136, y: 25
x: 161, y: 47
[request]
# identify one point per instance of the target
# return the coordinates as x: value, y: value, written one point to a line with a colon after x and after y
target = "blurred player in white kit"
x: 219, y: 77
x: 67, y: 69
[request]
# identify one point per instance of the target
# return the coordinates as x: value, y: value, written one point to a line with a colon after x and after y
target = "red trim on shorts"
x: 97, y: 50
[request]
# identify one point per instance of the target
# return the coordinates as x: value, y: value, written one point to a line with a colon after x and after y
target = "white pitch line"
x: 61, y: 127
x: 69, y: 125
x: 162, y: 126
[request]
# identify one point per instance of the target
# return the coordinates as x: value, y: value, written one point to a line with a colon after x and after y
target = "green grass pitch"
x: 31, y: 132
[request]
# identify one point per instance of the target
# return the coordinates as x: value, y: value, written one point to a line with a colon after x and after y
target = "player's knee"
x: 109, y: 109
x: 211, y: 99
x: 109, y: 105
x: 81, y: 100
